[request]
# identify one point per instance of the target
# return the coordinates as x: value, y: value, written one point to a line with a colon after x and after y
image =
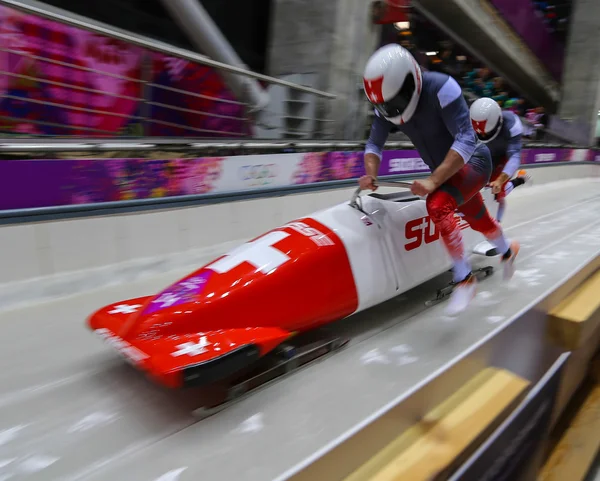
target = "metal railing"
x: 164, y: 148
x: 50, y: 95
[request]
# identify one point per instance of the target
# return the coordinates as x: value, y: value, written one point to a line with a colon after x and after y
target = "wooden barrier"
x: 574, y: 324
x: 576, y: 318
x: 448, y: 433
x: 579, y: 443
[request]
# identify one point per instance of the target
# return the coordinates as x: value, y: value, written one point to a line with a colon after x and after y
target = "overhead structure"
x: 202, y: 31
x: 475, y: 25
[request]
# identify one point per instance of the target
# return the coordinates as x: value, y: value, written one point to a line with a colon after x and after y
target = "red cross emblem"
x: 373, y: 89
x: 479, y: 126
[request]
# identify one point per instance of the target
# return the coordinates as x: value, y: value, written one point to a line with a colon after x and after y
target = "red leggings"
x: 462, y: 192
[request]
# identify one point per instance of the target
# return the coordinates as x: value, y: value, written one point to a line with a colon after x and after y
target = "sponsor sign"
x: 418, y: 231
x: 46, y: 183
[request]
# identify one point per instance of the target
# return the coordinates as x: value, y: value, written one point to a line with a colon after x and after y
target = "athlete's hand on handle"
x: 496, y: 186
x: 423, y: 187
x: 499, y: 182
x: 368, y: 182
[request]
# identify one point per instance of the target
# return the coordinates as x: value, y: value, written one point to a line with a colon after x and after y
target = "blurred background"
x: 531, y: 56
x: 141, y: 139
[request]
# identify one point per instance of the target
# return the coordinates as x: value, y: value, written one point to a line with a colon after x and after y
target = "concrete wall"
x: 332, y: 39
x: 581, y: 79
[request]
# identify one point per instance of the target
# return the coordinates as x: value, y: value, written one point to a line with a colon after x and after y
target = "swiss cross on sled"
x: 262, y: 254
x: 125, y: 309
x: 192, y: 348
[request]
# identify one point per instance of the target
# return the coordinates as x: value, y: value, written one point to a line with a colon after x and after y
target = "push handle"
x: 391, y: 183
x: 395, y: 183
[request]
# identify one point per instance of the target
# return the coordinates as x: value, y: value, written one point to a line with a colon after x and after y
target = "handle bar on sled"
x: 392, y: 183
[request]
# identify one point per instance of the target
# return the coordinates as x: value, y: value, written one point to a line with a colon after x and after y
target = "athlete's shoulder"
x: 512, y: 123
x: 436, y: 80
x: 443, y: 86
x: 509, y: 117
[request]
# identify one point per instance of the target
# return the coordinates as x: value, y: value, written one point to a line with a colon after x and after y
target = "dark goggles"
x: 491, y: 134
x: 397, y: 105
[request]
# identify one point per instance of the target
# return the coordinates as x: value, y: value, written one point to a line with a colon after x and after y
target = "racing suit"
x: 442, y: 122
x: 506, y: 156
x: 506, y: 151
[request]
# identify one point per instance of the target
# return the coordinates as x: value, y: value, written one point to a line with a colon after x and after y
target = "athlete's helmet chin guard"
x: 393, y: 83
x: 486, y: 118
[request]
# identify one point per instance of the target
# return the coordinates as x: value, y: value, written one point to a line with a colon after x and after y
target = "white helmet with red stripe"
x: 486, y: 118
x: 393, y: 83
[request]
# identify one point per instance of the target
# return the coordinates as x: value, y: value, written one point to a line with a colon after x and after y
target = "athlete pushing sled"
x: 501, y: 131
x: 430, y: 109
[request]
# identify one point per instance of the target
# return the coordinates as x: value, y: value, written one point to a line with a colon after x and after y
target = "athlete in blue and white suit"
x: 430, y: 109
x: 501, y: 131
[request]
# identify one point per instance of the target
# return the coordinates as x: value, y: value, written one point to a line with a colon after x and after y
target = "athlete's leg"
x: 501, y: 208
x: 462, y: 192
x: 507, y: 188
x: 441, y: 206
x: 478, y: 217
x: 501, y: 199
x: 500, y: 196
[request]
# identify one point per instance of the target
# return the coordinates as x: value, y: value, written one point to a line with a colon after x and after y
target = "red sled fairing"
x: 236, y: 309
x: 217, y: 323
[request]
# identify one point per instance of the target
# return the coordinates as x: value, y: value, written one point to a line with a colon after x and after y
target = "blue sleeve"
x: 455, y: 113
x: 513, y: 149
x: 380, y: 130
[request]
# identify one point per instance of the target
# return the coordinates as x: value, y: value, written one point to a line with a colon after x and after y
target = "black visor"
x: 492, y: 133
x: 397, y: 105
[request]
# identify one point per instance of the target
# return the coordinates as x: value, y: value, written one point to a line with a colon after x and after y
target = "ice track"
x: 71, y: 410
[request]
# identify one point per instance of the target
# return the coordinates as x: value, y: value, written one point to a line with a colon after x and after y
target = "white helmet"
x: 393, y: 83
x: 486, y: 118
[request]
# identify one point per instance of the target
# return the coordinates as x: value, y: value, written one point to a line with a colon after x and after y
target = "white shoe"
x: 462, y: 295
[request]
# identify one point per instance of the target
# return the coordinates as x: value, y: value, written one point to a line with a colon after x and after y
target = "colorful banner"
x: 60, y: 80
x: 46, y: 183
x: 521, y: 15
x: 536, y: 156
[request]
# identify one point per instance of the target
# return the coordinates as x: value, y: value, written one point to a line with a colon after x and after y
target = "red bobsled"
x: 296, y: 278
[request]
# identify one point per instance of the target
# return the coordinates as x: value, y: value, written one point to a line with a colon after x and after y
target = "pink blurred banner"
x: 42, y: 64
x: 47, y: 183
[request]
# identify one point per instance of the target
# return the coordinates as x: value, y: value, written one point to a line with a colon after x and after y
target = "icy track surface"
x: 70, y: 409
